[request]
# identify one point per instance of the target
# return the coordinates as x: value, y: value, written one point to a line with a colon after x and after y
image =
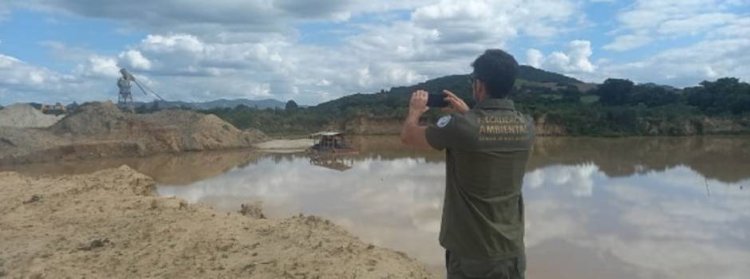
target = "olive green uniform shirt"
x: 486, y: 153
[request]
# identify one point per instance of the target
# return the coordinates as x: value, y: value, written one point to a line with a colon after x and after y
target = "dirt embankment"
x: 101, y: 130
x: 108, y: 225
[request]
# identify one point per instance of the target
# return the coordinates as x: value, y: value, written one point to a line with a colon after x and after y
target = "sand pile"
x: 196, y: 131
x: 162, y: 131
x: 26, y: 116
x: 101, y: 130
x: 92, y: 119
x: 107, y: 225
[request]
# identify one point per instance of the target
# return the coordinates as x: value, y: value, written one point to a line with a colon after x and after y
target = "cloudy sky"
x: 318, y: 50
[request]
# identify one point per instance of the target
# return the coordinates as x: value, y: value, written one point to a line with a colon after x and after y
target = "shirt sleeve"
x: 448, y: 132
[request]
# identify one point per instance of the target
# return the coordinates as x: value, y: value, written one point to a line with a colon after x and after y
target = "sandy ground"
x: 109, y: 225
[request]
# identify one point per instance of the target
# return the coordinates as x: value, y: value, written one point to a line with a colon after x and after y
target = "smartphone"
x: 436, y: 101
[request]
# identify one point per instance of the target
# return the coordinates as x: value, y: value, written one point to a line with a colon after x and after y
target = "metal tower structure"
x: 125, y: 97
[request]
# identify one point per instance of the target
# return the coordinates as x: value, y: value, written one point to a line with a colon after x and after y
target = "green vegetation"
x: 615, y: 108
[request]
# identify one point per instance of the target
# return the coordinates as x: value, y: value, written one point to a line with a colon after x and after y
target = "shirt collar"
x: 495, y: 103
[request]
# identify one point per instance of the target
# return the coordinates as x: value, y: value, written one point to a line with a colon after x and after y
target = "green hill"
x: 559, y: 104
x: 529, y: 78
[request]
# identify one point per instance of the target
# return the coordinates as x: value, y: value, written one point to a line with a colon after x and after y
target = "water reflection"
x: 645, y: 218
x: 394, y: 203
x: 724, y: 158
x: 596, y: 208
x: 173, y: 169
x: 651, y: 225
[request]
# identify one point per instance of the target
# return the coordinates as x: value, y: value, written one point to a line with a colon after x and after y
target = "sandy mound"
x: 26, y: 116
x: 101, y: 130
x: 106, y: 225
x: 163, y: 131
x: 92, y: 119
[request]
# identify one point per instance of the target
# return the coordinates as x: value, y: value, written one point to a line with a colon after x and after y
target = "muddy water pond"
x: 595, y: 208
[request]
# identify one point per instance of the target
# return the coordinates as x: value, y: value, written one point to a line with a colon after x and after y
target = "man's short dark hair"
x: 498, y: 70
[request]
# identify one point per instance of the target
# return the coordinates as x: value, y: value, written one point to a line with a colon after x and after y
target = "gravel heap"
x: 25, y: 116
x: 99, y: 130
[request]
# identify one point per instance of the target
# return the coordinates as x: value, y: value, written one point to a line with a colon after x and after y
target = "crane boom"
x: 145, y: 89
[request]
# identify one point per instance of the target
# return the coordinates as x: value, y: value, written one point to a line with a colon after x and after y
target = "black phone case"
x: 436, y: 101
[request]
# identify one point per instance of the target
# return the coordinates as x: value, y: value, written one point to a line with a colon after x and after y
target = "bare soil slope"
x: 108, y: 225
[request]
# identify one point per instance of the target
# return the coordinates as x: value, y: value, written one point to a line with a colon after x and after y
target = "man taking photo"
x: 486, y: 149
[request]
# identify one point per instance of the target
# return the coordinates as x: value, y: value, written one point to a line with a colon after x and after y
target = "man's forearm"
x: 412, y: 133
x: 410, y: 123
x: 412, y: 119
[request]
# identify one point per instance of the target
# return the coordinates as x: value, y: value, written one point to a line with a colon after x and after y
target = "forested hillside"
x: 560, y: 105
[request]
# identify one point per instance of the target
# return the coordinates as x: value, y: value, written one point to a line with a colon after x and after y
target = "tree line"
x: 615, y: 107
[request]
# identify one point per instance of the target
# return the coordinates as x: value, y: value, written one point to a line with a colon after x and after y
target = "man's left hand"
x: 455, y: 104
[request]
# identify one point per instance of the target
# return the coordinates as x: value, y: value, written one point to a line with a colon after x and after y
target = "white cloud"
x: 628, y: 42
x: 687, y: 66
x: 575, y: 60
x: 694, y: 25
x: 495, y: 21
x: 649, y: 20
x: 232, y: 48
x: 534, y: 58
x: 134, y: 59
x: 16, y: 73
x: 436, y: 40
x: 719, y: 35
x: 173, y: 43
x: 738, y: 28
x: 235, y: 49
x: 218, y: 20
x: 199, y: 50
x: 23, y: 82
x: 99, y: 67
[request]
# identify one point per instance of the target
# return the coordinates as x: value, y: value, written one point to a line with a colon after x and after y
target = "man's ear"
x: 480, y: 91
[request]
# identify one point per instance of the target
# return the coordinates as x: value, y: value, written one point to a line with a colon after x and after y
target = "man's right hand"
x: 418, y: 103
x: 455, y: 104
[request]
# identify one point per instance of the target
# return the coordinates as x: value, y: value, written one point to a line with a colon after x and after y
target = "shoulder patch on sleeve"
x: 443, y: 121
